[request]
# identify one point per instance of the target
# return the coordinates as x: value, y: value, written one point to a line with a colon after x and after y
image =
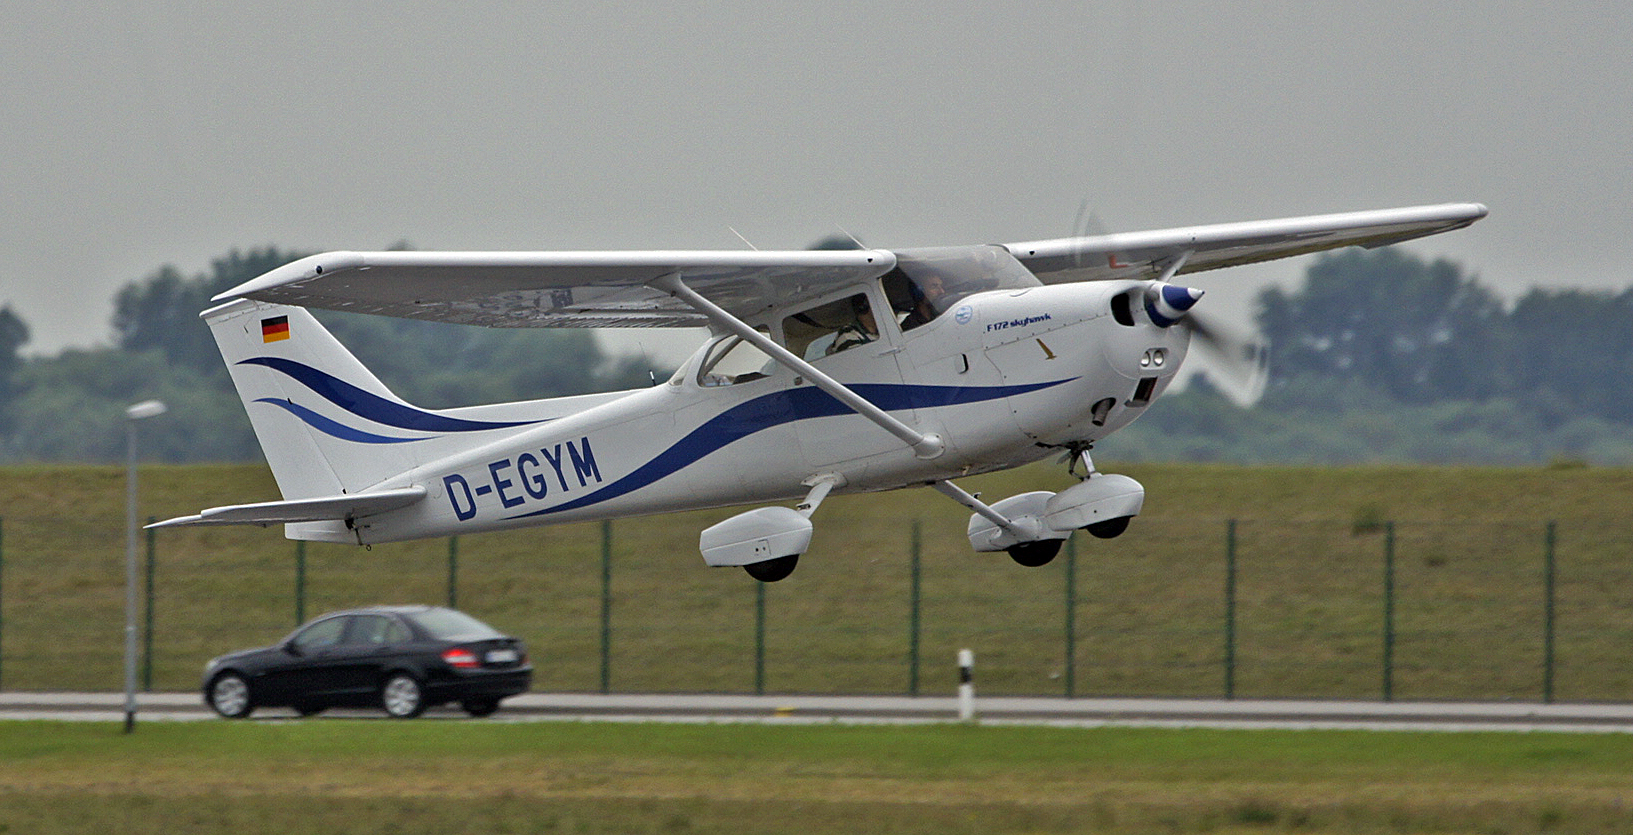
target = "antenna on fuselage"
x: 743, y: 239
x: 650, y: 373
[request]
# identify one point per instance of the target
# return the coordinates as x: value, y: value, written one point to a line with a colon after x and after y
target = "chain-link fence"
x: 1177, y: 607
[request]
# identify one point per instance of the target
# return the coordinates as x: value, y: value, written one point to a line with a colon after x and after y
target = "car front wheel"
x: 229, y: 695
x: 402, y: 696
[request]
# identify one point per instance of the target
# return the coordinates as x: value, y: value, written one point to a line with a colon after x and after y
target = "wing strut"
x: 962, y: 496
x: 925, y: 445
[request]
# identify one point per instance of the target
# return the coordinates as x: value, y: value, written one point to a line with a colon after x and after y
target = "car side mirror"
x: 292, y: 648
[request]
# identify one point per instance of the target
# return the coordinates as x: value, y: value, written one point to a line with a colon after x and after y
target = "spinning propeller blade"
x: 1237, y: 361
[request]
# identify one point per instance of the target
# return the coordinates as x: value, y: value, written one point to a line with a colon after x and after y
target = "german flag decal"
x: 275, y: 329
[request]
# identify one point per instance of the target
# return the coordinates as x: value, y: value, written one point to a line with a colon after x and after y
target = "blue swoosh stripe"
x: 332, y: 428
x: 373, y: 407
x: 776, y: 409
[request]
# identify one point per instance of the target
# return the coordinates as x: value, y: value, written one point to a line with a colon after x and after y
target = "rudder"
x: 325, y: 423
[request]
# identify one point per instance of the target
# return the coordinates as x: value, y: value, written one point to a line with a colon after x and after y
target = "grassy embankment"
x: 1150, y: 615
x: 454, y: 776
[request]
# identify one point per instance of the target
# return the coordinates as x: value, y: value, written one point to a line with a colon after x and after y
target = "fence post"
x: 759, y: 639
x: 913, y: 618
x: 1230, y: 609
x: 606, y: 606
x: 1071, y: 617
x: 1389, y: 611
x: 300, y: 582
x: 1548, y: 576
x: 147, y: 632
x: 453, y: 572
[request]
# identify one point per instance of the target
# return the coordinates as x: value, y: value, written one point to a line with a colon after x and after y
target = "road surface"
x: 1211, y: 713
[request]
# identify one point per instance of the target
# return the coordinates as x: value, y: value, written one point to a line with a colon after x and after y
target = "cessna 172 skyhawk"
x: 848, y: 371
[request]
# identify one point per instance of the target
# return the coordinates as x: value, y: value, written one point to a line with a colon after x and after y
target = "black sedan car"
x: 401, y: 658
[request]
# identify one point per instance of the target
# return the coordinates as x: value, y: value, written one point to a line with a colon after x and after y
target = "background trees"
x: 69, y: 407
x: 1382, y: 356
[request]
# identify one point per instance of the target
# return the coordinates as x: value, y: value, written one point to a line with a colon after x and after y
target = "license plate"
x: 501, y: 656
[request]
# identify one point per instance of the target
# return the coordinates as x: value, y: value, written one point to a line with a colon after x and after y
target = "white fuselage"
x: 1003, y: 378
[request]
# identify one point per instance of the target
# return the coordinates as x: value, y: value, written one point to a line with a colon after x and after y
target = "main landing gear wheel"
x: 1109, y: 529
x: 771, y: 571
x: 1034, y: 554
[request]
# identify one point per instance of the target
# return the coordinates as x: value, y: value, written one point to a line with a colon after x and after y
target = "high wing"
x: 629, y: 289
x: 1147, y: 254
x: 559, y: 289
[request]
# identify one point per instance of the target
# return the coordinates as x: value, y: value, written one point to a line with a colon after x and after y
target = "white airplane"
x: 825, y: 371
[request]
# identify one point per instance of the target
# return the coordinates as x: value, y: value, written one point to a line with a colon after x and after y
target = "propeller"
x: 1236, y: 360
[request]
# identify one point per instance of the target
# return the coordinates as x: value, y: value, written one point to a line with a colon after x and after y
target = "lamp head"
x: 145, y: 409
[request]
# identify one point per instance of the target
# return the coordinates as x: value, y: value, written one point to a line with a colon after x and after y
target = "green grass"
x: 431, y: 776
x: 1149, y: 607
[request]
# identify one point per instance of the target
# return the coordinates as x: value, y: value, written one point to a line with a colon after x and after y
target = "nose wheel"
x: 1109, y: 529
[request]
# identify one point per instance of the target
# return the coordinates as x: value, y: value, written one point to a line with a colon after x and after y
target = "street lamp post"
x: 139, y: 411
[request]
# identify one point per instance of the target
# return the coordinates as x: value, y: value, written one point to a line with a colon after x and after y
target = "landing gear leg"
x: 1080, y: 455
x: 1099, y: 503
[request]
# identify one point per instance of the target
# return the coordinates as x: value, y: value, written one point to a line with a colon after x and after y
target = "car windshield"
x: 449, y: 625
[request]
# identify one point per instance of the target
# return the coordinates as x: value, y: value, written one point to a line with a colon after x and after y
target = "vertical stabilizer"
x: 326, y: 424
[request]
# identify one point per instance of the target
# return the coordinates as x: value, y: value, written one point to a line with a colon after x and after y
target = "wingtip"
x: 301, y: 269
x: 177, y: 522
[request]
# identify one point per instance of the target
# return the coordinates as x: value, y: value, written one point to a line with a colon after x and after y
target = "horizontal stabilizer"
x: 322, y: 509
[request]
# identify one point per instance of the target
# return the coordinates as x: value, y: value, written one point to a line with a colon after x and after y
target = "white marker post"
x: 966, y: 685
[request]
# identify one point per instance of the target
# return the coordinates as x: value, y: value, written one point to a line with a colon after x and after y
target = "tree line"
x: 1383, y: 356
x: 70, y: 407
x: 1377, y: 356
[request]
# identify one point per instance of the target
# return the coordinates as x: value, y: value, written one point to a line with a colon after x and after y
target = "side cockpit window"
x: 915, y: 299
x: 829, y: 328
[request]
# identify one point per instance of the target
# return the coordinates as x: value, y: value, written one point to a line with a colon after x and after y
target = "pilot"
x: 927, y: 290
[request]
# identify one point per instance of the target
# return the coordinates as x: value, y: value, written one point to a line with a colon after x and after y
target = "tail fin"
x: 326, y: 424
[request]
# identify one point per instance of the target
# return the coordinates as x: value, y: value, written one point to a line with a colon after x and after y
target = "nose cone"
x: 1168, y: 303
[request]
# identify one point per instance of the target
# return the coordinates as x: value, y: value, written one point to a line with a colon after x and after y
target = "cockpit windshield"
x: 928, y: 282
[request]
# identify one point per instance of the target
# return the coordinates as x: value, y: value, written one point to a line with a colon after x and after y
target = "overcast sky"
x: 172, y: 133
